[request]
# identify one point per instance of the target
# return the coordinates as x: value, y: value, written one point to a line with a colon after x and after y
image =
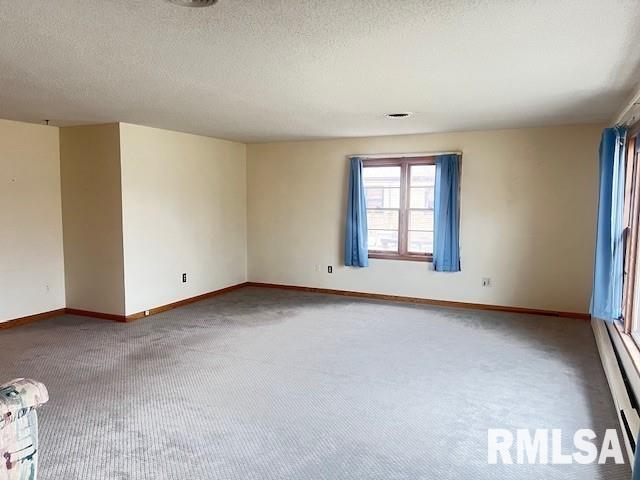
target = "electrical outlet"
x: 146, y: 313
x: 184, y: 278
x: 486, y: 282
x: 330, y: 269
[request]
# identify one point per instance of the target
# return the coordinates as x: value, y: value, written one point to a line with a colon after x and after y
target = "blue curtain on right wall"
x: 606, y: 298
x: 446, y: 220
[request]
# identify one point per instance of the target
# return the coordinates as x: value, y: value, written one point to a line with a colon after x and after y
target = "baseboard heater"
x: 623, y: 379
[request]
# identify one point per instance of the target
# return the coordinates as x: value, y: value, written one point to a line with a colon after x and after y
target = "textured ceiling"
x: 265, y: 70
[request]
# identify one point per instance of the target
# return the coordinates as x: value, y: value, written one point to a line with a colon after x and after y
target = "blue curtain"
x: 446, y: 235
x: 356, y: 251
x: 606, y: 298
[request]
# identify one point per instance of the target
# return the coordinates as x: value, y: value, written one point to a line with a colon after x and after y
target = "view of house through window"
x: 422, y: 183
x: 382, y: 191
x: 399, y: 194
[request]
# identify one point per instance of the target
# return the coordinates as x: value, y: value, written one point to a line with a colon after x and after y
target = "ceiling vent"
x: 398, y: 115
x: 194, y: 3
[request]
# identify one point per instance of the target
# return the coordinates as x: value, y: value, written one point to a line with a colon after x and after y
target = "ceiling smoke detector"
x: 398, y: 115
x: 193, y: 3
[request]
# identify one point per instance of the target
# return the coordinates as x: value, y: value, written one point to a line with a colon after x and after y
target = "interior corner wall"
x: 92, y: 218
x: 528, y: 210
x: 31, y: 255
x: 141, y: 206
x: 184, y: 204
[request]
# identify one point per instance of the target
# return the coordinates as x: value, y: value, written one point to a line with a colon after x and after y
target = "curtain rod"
x: 404, y: 155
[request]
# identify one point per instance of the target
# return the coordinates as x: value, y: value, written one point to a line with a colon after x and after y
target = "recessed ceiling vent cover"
x: 194, y: 3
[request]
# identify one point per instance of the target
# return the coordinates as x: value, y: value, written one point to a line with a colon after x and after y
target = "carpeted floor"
x: 265, y: 384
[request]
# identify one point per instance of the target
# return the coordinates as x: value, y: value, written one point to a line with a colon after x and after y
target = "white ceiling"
x: 266, y: 70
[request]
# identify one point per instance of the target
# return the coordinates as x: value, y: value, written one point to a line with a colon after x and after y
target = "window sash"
x: 631, y: 213
x: 405, y: 165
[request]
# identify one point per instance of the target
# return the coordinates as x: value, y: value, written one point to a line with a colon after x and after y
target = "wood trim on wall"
x: 113, y: 317
x: 31, y: 318
x: 155, y: 310
x: 89, y: 313
x: 427, y: 301
x: 346, y: 293
x: 186, y: 301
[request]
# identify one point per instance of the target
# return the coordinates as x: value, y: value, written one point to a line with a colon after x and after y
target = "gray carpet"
x: 267, y: 384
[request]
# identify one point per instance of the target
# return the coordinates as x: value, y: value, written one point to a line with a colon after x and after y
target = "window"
x: 631, y: 286
x: 400, y: 193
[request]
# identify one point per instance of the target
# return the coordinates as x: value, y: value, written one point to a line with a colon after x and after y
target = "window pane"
x: 380, y: 197
x: 421, y: 197
x: 420, y: 242
x: 382, y: 219
x: 381, y: 176
x: 384, y: 240
x: 423, y: 175
x: 421, y: 220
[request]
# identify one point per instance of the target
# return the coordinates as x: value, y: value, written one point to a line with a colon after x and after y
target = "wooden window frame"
x: 405, y: 164
x: 631, y: 227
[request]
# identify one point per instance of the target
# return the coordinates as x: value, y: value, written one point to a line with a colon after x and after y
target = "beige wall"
x: 184, y: 211
x: 528, y: 198
x: 31, y: 258
x: 153, y: 204
x: 92, y: 218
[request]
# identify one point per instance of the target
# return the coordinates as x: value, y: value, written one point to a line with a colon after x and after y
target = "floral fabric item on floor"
x: 19, y: 428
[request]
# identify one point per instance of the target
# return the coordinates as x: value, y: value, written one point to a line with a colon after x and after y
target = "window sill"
x: 396, y: 256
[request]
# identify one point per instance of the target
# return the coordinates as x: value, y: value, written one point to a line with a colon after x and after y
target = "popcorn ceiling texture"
x: 262, y: 384
x: 256, y: 70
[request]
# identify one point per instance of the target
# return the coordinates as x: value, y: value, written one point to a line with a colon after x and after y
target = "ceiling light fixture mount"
x: 398, y: 115
x: 193, y: 3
